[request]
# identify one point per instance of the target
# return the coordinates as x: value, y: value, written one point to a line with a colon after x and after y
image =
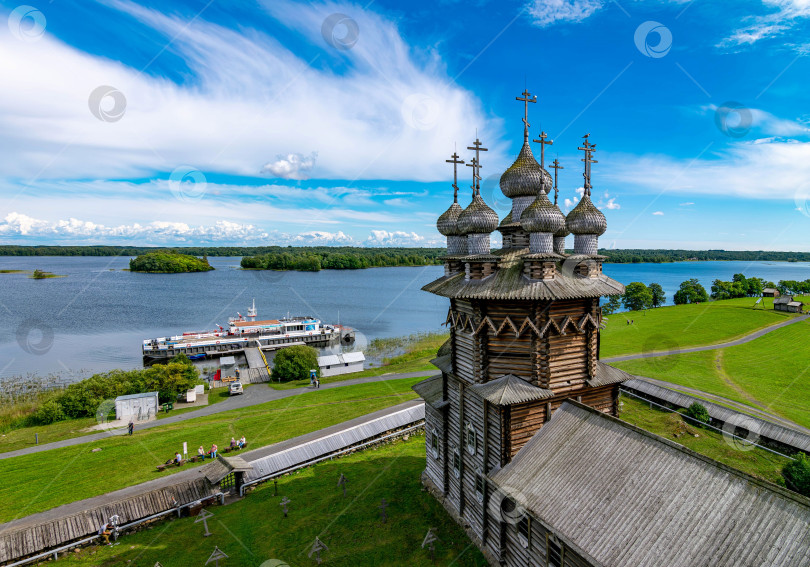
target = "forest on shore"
x: 353, y: 257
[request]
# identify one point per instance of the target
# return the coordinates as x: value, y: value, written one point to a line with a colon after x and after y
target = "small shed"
x: 136, y: 406
x: 786, y: 303
x: 344, y: 363
x: 770, y: 292
x: 227, y: 368
x: 227, y: 472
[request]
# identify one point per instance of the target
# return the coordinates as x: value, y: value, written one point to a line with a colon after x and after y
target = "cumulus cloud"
x: 612, y: 204
x: 322, y: 238
x: 244, y: 96
x: 291, y: 166
x: 395, y: 238
x: 545, y: 13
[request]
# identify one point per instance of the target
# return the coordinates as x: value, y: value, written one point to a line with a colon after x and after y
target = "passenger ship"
x: 245, y: 332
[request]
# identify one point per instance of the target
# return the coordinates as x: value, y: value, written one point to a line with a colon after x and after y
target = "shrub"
x: 49, y: 412
x: 797, y: 474
x: 294, y: 363
x: 698, y: 412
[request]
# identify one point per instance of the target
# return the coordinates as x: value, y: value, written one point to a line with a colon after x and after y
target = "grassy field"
x: 24, y: 437
x: 681, y: 326
x: 416, y: 359
x: 254, y: 530
x: 756, y: 462
x: 772, y: 372
x: 59, y: 476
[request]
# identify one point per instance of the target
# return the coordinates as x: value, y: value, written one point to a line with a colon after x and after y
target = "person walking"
x: 130, y: 427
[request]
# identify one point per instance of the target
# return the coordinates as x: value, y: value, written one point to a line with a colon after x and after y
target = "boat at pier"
x: 244, y: 332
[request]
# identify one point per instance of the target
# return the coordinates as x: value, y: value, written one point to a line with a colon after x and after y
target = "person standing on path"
x: 130, y: 427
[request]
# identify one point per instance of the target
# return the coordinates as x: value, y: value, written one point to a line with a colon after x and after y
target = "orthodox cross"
x: 203, y: 517
x: 543, y: 141
x: 342, y: 483
x: 556, y: 166
x: 430, y: 542
x: 474, y: 164
x: 383, y: 505
x: 526, y: 98
x: 477, y: 167
x: 216, y: 556
x: 317, y: 547
x: 283, y: 504
x: 455, y: 161
x: 588, y: 148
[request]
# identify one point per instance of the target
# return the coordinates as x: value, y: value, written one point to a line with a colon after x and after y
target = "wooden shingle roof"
x: 509, y: 282
x: 224, y: 466
x: 431, y: 390
x: 621, y: 496
x: 510, y: 389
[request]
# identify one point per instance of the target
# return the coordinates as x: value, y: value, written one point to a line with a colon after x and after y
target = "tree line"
x: 626, y: 256
x: 638, y: 296
x: 311, y: 260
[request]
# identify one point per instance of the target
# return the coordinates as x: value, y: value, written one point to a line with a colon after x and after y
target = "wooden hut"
x: 786, y: 303
x: 770, y: 292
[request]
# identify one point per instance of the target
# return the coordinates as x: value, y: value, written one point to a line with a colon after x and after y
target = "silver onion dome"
x: 542, y: 216
x: 477, y: 218
x: 563, y: 231
x: 524, y: 176
x: 585, y: 218
x: 447, y: 224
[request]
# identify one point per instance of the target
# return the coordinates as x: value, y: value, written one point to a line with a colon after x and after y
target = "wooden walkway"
x: 257, y: 368
x: 71, y: 522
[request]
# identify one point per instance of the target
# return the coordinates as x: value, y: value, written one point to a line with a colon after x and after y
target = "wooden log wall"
x: 507, y: 353
x: 473, y: 464
x: 435, y: 464
x: 18, y: 543
x: 467, y: 360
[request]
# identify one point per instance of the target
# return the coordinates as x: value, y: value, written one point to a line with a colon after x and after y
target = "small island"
x: 169, y: 262
x: 42, y: 275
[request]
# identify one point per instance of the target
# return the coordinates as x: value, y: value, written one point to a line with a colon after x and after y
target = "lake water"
x: 96, y: 318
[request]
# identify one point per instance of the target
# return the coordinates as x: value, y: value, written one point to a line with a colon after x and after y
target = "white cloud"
x: 395, y: 238
x: 291, y: 166
x: 770, y: 169
x: 612, y: 204
x: 688, y: 204
x: 658, y: 213
x: 548, y: 12
x: 244, y: 97
x: 764, y: 121
x: 318, y: 237
x: 785, y: 15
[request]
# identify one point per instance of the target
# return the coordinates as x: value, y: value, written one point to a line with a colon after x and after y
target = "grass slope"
x: 59, y: 476
x: 254, y: 530
x: 681, y: 326
x: 772, y: 372
x: 756, y: 462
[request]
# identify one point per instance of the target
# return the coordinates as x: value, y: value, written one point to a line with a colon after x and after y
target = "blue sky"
x: 273, y: 122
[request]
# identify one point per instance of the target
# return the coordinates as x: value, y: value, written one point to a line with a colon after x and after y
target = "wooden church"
x: 524, y: 340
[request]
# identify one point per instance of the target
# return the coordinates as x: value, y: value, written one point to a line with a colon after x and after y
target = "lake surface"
x: 96, y: 318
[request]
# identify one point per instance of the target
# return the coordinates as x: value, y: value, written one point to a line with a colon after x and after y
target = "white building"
x: 335, y: 364
x: 138, y: 407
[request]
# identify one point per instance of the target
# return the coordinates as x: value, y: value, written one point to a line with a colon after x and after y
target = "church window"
x: 472, y: 440
x: 479, y: 487
x: 434, y: 444
x: 523, y: 531
x: 457, y: 463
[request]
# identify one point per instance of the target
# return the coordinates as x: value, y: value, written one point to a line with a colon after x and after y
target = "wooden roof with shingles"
x: 621, y: 496
x: 509, y: 282
x: 431, y: 390
x: 510, y: 389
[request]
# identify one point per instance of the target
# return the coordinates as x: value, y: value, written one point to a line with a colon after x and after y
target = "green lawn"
x: 24, y: 437
x: 774, y: 370
x: 756, y: 462
x: 680, y: 326
x: 59, y: 476
x: 254, y: 530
